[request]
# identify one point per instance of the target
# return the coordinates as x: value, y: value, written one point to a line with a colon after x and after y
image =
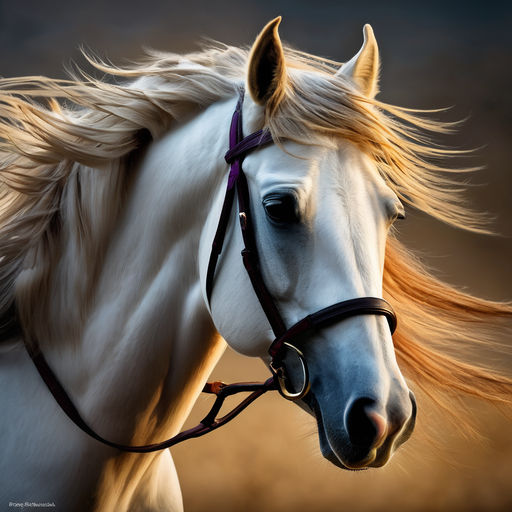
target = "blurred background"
x: 434, y: 54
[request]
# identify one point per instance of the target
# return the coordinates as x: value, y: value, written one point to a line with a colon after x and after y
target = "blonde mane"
x: 57, y: 137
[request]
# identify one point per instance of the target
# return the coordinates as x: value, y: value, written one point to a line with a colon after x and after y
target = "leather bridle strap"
x: 251, y: 260
x: 334, y: 314
x: 239, y: 147
x: 209, y: 423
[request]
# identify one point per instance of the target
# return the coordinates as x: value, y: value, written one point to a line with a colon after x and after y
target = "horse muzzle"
x: 367, y: 436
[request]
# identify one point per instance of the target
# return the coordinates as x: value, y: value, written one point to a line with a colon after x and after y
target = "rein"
x: 208, y: 424
x: 283, y: 344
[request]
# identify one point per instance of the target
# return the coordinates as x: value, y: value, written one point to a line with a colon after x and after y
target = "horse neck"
x: 145, y: 341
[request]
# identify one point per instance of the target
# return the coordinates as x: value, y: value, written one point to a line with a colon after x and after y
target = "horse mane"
x: 60, y: 138
x: 441, y: 332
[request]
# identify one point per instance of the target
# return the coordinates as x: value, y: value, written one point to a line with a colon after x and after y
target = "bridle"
x: 239, y: 147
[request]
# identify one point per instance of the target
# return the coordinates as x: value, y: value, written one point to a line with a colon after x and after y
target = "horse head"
x: 321, y: 213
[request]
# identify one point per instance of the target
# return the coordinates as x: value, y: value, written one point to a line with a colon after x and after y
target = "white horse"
x: 108, y: 211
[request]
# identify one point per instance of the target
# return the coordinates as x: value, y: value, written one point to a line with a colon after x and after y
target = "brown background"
x: 433, y: 54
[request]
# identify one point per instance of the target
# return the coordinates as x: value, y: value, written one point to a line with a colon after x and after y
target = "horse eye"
x: 281, y: 208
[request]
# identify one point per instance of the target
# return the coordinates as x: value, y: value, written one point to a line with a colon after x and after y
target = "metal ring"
x: 280, y: 374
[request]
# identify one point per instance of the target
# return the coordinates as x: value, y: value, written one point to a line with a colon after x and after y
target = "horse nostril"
x: 365, y: 426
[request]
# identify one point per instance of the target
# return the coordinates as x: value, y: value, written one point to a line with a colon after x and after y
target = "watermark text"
x: 31, y: 504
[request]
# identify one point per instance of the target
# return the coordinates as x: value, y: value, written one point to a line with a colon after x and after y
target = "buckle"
x: 297, y: 359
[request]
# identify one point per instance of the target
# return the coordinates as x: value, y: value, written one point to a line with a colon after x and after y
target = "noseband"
x: 239, y: 147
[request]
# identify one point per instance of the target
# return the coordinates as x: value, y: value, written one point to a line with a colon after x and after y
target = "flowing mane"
x: 62, y: 139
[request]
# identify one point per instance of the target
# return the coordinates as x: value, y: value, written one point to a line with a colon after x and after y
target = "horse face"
x: 321, y: 220
x: 321, y: 216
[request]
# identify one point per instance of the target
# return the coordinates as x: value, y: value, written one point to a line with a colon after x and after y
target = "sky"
x: 434, y: 54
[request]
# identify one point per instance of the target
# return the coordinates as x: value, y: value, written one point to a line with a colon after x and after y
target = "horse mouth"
x: 348, y: 456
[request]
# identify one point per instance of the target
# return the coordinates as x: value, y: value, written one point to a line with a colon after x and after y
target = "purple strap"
x: 239, y: 146
x: 247, y: 144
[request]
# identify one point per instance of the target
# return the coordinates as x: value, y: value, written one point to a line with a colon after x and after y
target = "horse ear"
x: 363, y: 67
x: 267, y: 71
